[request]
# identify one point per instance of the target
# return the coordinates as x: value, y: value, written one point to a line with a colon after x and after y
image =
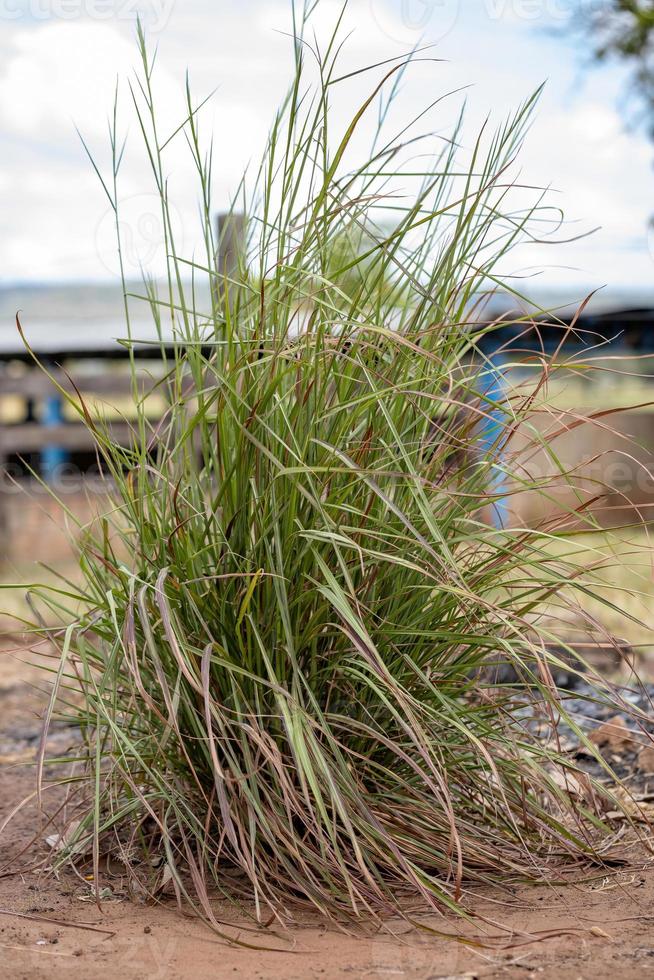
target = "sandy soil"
x: 598, y: 926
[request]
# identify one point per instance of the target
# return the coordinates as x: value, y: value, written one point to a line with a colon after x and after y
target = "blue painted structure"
x: 490, y: 430
x: 53, y: 457
x: 626, y: 332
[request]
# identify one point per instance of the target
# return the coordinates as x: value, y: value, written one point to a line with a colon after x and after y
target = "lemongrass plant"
x: 276, y: 660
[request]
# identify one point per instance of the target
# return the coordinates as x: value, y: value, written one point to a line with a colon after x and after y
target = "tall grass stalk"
x: 277, y: 656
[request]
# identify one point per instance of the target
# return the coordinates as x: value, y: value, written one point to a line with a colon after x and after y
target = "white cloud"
x: 603, y: 177
x: 59, y: 72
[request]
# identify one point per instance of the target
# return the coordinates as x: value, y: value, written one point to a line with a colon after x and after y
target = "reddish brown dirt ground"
x: 602, y: 927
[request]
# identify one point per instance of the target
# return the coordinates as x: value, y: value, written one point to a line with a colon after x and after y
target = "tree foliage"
x: 624, y: 30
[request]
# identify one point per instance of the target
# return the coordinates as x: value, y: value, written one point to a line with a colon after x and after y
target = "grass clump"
x: 284, y: 619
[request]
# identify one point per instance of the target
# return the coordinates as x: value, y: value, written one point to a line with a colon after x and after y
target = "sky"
x: 60, y: 59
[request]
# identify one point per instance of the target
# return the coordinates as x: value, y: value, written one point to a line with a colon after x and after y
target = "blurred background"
x: 63, y: 63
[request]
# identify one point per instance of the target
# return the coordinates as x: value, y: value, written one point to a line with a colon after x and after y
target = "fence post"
x: 231, y: 231
x: 494, y: 417
x: 4, y: 521
x: 52, y: 457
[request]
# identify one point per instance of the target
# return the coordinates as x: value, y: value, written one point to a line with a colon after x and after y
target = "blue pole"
x: 52, y: 457
x: 493, y: 389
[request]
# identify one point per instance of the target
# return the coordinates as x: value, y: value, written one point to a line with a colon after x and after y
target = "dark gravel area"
x: 619, y: 724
